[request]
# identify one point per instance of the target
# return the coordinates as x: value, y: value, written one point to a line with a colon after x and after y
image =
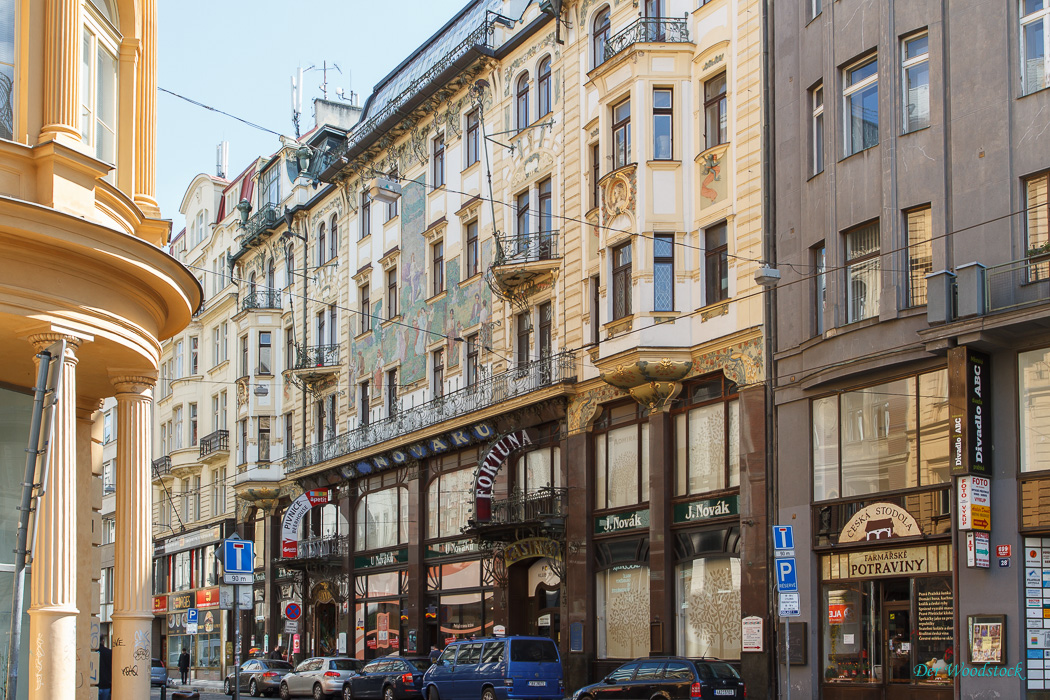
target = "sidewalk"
x: 198, y: 685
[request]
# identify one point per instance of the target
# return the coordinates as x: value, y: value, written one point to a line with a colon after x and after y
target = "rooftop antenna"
x: 324, y: 73
x: 297, y: 99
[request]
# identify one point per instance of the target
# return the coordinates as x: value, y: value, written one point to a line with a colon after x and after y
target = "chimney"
x: 222, y: 159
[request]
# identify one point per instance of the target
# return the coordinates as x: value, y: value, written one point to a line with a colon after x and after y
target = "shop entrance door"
x: 324, y: 630
x: 896, y: 621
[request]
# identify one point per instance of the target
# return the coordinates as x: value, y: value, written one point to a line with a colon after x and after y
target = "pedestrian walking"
x: 434, y: 653
x: 105, y: 671
x: 184, y: 665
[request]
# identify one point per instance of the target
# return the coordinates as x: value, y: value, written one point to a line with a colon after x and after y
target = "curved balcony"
x: 648, y: 30
x: 162, y: 469
x: 316, y: 552
x: 263, y: 221
x: 543, y: 509
x: 519, y: 381
x: 215, y: 447
x: 266, y: 299
x: 524, y: 259
x: 315, y: 362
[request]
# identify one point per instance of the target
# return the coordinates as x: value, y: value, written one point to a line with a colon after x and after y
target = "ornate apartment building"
x: 503, y: 325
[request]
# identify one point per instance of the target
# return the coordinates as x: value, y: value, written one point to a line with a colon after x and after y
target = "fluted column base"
x: 132, y: 651
x: 52, y: 653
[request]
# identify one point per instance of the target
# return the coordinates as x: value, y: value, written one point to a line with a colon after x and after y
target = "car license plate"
x: 725, y: 691
x: 539, y: 683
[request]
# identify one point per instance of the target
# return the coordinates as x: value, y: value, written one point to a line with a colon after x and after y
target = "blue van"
x: 496, y: 668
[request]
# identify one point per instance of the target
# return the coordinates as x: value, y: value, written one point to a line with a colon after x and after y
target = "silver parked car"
x: 258, y: 677
x: 319, y: 677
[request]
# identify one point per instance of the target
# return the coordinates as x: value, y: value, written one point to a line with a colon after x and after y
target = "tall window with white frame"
x: 1037, y: 226
x: 621, y: 134
x: 663, y: 272
x: 264, y: 438
x: 7, y: 69
x: 391, y: 292
x: 816, y: 98
x: 524, y: 328
x: 322, y: 243
x: 521, y: 241
x: 333, y: 240
x: 366, y: 216
x: 521, y: 102
x: 473, y: 368
x: 920, y: 253
x: 439, y: 160
x: 860, y: 104
x: 265, y: 352
x: 192, y: 413
x: 289, y: 433
x: 716, y: 111
x: 546, y: 232
x: 437, y: 373
x: 862, y: 272
x: 98, y: 80
x: 473, y: 250
x: 915, y: 65
x: 622, y: 285
x: 473, y: 137
x: 270, y: 187
x: 391, y: 393
x: 716, y: 264
x: 601, y: 37
x: 820, y: 286
x: 1035, y: 45
x: 543, y: 87
x: 218, y: 491
x: 366, y: 308
x: 663, y: 124
x: 437, y: 262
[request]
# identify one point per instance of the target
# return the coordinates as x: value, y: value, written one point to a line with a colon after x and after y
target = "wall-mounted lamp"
x: 244, y: 207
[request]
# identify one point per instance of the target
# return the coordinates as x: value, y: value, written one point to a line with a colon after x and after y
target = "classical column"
x: 53, y: 609
x: 89, y: 537
x: 132, y: 611
x: 61, y: 65
x: 146, y: 124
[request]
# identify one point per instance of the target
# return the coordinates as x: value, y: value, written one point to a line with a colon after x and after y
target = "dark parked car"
x: 259, y: 677
x: 390, y: 678
x: 320, y: 677
x: 158, y: 673
x: 675, y: 678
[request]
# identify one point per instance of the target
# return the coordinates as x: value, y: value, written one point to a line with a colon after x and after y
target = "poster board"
x: 987, y: 639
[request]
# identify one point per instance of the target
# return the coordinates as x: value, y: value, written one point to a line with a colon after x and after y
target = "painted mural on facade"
x: 422, y: 322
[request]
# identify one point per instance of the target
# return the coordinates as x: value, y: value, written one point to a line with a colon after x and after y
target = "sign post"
x: 238, y: 567
x: 787, y: 587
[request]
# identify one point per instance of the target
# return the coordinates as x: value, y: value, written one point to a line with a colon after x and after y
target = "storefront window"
x: 709, y: 608
x: 707, y: 441
x: 1033, y: 373
x: 378, y: 628
x: 176, y: 643
x: 621, y: 457
x: 935, y: 629
x: 382, y: 519
x: 881, y: 438
x: 852, y: 633
x: 623, y: 612
x: 209, y: 651
x: 466, y: 615
x: 448, y: 503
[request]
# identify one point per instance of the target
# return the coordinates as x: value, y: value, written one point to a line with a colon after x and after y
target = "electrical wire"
x: 215, y: 109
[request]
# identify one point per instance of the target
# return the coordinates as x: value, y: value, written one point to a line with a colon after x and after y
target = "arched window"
x: 543, y: 86
x: 321, y: 244
x: 523, y: 101
x: 271, y: 274
x: 98, y: 80
x: 601, y: 36
x: 333, y: 237
x: 251, y: 287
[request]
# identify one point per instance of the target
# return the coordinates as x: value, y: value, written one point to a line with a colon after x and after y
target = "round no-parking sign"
x: 292, y: 611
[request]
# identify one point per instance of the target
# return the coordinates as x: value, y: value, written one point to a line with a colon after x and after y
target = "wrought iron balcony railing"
x: 479, y: 38
x: 521, y: 380
x: 312, y: 356
x: 161, y: 467
x: 262, y: 221
x: 544, y: 503
x: 648, y: 29
x: 530, y: 247
x: 219, y: 441
x: 265, y: 299
x: 1018, y: 283
x: 326, y: 546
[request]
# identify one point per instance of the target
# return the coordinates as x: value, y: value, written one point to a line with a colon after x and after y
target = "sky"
x: 240, y: 55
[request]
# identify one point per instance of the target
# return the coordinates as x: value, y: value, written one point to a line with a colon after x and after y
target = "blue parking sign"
x: 191, y: 616
x: 787, y: 578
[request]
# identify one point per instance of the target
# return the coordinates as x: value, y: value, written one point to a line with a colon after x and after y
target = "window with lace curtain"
x: 707, y: 438
x: 1037, y: 226
x: 862, y: 272
x: 920, y: 253
x: 621, y: 456
x: 1035, y: 39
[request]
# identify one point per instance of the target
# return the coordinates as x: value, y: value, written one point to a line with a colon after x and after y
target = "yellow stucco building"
x: 80, y: 262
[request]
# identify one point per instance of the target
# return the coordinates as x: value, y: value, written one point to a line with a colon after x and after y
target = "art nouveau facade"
x: 598, y: 296
x: 80, y: 233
